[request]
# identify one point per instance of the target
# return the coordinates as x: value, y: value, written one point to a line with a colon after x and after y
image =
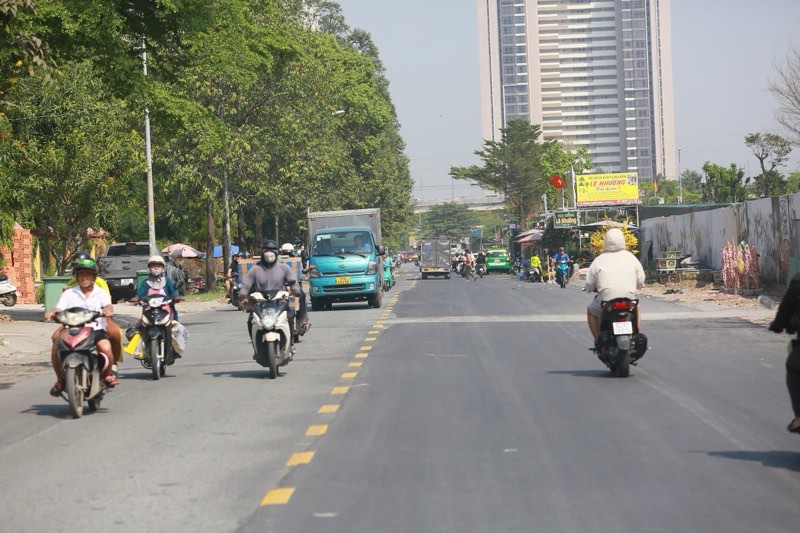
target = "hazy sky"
x: 724, y: 53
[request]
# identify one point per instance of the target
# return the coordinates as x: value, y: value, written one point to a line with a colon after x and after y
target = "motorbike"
x: 388, y: 276
x: 562, y: 273
x: 480, y: 269
x: 535, y: 275
x: 270, y: 332
x: 620, y: 344
x: 234, y: 296
x: 157, y: 334
x: 8, y: 292
x: 461, y: 269
x: 81, y: 364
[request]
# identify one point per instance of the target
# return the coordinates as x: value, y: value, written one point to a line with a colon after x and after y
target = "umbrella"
x: 218, y: 250
x: 183, y: 250
x: 531, y: 237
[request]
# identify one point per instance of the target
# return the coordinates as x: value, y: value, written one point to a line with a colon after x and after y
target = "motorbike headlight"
x: 373, y: 267
x: 313, y: 272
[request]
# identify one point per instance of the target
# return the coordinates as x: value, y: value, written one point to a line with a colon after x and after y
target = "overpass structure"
x: 475, y: 203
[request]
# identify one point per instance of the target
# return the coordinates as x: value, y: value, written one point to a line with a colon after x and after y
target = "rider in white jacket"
x: 616, y: 273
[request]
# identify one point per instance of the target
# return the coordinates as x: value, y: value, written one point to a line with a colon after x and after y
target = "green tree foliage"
x: 65, y: 170
x: 519, y: 166
x: 793, y: 183
x: 772, y: 152
x: 286, y: 104
x: 723, y: 185
x: 451, y: 220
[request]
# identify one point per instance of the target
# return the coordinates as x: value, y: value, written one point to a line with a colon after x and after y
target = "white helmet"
x: 157, y: 259
x: 287, y: 248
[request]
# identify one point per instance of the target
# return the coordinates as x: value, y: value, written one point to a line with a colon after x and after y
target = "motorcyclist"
x: 788, y: 318
x: 616, y: 273
x: 287, y: 251
x: 112, y: 330
x: 233, y: 272
x: 87, y: 294
x: 268, y: 275
x: 158, y: 283
x: 480, y: 259
x: 536, y: 265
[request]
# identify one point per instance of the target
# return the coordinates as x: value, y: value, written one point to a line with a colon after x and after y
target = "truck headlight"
x: 373, y: 267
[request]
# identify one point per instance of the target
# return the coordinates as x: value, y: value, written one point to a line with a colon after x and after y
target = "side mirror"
x: 381, y: 250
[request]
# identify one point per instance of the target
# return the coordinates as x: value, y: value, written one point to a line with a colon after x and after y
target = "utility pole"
x: 680, y: 178
x: 151, y: 216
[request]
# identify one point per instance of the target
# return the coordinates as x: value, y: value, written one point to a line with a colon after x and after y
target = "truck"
x: 434, y: 257
x: 345, y: 257
x: 121, y: 262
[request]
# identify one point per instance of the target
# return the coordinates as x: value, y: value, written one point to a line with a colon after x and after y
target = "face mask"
x: 269, y: 257
x: 156, y: 271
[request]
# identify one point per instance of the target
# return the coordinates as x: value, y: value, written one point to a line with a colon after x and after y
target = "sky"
x: 724, y: 54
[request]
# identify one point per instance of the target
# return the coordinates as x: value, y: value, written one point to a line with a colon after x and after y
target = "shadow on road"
x: 247, y: 374
x: 55, y: 410
x: 583, y: 373
x: 774, y: 459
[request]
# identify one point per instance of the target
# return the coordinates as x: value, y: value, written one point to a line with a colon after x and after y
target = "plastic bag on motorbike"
x: 136, y: 346
x: 180, y: 335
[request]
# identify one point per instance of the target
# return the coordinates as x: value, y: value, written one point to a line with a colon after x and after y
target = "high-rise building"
x: 595, y: 73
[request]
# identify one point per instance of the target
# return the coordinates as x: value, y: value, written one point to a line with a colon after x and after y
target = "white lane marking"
x: 649, y: 317
x: 326, y: 515
x: 445, y: 355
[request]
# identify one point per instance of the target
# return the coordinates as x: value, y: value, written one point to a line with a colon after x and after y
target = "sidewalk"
x: 25, y: 336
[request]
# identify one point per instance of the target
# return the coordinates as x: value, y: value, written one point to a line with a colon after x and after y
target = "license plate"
x: 623, y: 328
x: 428, y: 269
x: 344, y: 280
x: 126, y: 281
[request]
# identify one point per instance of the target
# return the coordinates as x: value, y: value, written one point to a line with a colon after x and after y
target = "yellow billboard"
x: 620, y: 188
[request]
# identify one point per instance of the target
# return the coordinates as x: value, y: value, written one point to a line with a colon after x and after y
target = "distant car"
x: 497, y: 260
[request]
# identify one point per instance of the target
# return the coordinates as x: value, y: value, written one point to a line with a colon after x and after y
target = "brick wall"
x: 19, y: 264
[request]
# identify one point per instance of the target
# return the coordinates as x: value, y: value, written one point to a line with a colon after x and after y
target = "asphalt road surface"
x: 456, y: 407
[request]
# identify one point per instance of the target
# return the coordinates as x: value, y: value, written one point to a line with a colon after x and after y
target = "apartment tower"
x: 596, y: 73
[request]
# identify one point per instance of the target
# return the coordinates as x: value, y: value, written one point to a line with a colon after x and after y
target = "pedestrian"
x: 469, y: 265
x: 788, y: 319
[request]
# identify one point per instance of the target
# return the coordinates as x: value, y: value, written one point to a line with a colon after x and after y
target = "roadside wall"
x: 19, y: 264
x: 770, y: 224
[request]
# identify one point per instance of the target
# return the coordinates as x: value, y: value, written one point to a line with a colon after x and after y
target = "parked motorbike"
x: 157, y: 334
x: 270, y: 332
x: 620, y: 344
x: 562, y: 273
x: 535, y: 275
x: 8, y: 292
x: 480, y: 269
x: 81, y: 364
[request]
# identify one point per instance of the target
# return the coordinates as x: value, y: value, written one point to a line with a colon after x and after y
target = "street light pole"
x: 680, y: 179
x: 151, y: 216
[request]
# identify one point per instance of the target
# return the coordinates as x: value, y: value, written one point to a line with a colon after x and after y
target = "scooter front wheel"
x: 272, y: 358
x: 75, y: 391
x: 155, y: 361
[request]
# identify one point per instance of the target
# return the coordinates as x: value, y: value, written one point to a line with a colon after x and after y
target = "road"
x: 457, y: 407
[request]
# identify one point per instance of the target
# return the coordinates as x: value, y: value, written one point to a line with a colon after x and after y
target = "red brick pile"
x: 19, y: 264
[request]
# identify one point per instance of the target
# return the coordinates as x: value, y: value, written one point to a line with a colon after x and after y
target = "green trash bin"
x: 141, y: 275
x: 53, y: 287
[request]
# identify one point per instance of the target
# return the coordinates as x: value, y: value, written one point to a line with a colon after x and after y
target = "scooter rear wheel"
x: 622, y: 367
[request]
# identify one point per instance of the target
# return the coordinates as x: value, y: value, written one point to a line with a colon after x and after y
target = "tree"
x: 793, y: 183
x: 723, y: 185
x: 787, y: 90
x: 772, y: 151
x: 71, y: 168
x: 451, y: 220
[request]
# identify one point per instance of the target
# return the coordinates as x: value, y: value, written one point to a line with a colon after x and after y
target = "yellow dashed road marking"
x: 316, y: 430
x: 278, y: 496
x: 339, y: 390
x: 361, y: 355
x: 365, y: 348
x: 355, y: 364
x: 370, y: 339
x: 349, y: 375
x: 328, y: 409
x: 373, y: 332
x: 378, y: 325
x: 300, y: 458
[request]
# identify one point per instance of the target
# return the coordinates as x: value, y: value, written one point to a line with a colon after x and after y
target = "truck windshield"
x: 343, y: 242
